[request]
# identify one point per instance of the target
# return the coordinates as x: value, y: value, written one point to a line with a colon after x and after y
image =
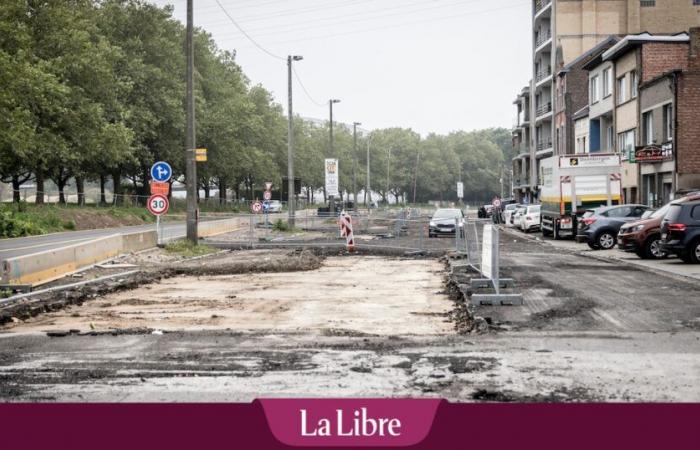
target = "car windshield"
x: 511, y: 207
x: 447, y: 214
x: 661, y: 211
x: 589, y: 213
x: 674, y: 211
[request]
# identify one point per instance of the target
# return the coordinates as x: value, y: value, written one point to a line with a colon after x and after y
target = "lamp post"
x: 191, y: 164
x: 368, y: 191
x: 354, y: 162
x: 331, y: 205
x: 290, y: 143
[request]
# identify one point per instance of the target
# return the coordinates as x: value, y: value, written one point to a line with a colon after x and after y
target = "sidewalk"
x: 671, y: 266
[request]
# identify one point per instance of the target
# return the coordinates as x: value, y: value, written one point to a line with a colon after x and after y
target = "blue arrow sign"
x: 161, y: 171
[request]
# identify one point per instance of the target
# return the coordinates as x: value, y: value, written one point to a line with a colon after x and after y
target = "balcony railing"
x: 541, y: 4
x: 542, y: 38
x: 544, y: 145
x: 542, y: 74
x: 544, y: 109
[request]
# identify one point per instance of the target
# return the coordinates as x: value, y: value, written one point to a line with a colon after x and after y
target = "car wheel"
x: 641, y: 254
x: 652, y: 248
x: 695, y: 252
x: 685, y: 257
x: 605, y: 240
x: 592, y: 245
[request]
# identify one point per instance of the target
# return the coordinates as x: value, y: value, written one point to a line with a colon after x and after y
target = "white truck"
x: 571, y: 184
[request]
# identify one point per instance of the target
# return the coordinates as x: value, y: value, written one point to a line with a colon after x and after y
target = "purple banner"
x: 273, y: 424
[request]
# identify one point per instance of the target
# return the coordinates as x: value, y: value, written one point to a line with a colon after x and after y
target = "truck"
x: 570, y: 184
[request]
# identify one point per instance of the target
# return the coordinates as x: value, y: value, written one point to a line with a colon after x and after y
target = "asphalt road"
x: 34, y: 244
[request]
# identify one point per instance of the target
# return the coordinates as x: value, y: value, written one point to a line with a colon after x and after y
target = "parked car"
x: 508, y: 212
x: 443, y: 222
x: 530, y: 218
x: 680, y: 230
x: 599, y: 227
x: 275, y: 206
x: 515, y: 216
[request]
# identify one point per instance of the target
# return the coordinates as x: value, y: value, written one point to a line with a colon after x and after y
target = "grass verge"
x: 187, y: 249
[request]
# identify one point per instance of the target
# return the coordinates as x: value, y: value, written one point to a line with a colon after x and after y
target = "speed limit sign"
x: 158, y: 204
x: 267, y: 195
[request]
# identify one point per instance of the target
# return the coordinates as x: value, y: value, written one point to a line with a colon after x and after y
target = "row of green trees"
x: 94, y: 91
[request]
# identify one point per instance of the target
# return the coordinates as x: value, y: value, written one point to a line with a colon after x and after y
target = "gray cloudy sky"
x: 431, y: 65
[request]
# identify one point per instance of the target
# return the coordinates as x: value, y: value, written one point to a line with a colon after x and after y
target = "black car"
x: 445, y: 221
x: 599, y: 227
x: 680, y: 230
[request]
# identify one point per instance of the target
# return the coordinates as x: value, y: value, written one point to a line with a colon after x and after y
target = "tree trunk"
x: 15, y: 189
x: 118, y: 199
x: 325, y: 198
x: 103, y: 198
x: 80, y: 187
x: 206, y: 188
x: 61, y: 183
x: 222, y: 191
x: 39, y: 200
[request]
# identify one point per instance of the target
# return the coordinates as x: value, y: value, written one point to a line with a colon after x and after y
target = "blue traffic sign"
x: 161, y: 171
x: 266, y: 205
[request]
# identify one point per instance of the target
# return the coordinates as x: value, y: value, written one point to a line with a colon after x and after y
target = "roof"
x: 583, y: 112
x: 592, y: 53
x: 634, y: 40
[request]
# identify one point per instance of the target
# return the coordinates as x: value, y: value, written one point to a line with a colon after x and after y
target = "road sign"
x: 257, y: 207
x: 266, y: 205
x: 160, y: 188
x: 496, y: 203
x: 268, y: 185
x: 460, y: 189
x: 267, y: 195
x: 161, y: 171
x: 158, y: 204
x: 200, y: 154
x: 331, y: 177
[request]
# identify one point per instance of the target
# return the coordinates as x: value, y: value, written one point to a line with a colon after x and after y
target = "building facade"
x: 562, y: 30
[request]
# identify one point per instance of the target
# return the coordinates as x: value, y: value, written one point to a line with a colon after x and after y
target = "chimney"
x: 694, y: 50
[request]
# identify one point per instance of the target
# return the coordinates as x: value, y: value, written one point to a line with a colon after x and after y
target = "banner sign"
x: 460, y: 189
x: 332, y: 177
x: 654, y: 153
x: 589, y: 161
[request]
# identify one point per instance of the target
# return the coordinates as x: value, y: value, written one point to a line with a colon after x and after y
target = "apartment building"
x: 562, y: 30
x: 521, y: 147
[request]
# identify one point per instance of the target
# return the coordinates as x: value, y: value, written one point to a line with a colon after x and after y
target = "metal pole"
x: 388, y: 158
x: 415, y: 176
x: 191, y: 170
x: 331, y: 204
x: 354, y: 161
x: 290, y: 144
x: 368, y: 192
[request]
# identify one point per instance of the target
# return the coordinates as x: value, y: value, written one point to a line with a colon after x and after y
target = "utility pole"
x: 388, y: 158
x: 290, y: 144
x: 191, y: 169
x: 415, y: 176
x: 368, y: 191
x: 354, y: 162
x: 331, y: 204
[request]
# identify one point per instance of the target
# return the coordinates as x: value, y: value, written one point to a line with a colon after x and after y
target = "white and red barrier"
x: 345, y: 223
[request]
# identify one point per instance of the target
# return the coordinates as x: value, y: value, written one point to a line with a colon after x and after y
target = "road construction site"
x: 295, y: 314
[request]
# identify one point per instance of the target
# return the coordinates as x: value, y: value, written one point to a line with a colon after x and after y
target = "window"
x: 625, y: 142
x: 607, y: 82
x: 594, y: 89
x: 647, y: 3
x: 695, y: 213
x: 623, y: 211
x: 668, y: 122
x: 633, y: 83
x: 648, y: 123
x: 621, y: 90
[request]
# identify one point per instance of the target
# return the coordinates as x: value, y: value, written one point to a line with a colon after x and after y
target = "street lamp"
x: 331, y: 205
x: 290, y: 143
x: 354, y: 162
x: 368, y: 191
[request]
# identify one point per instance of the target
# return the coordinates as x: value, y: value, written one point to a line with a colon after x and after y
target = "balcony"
x: 543, y: 109
x: 544, y: 145
x: 543, y: 74
x: 540, y: 5
x: 542, y: 38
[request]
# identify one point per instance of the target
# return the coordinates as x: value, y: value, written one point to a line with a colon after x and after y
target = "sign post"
x: 490, y: 259
x: 331, y: 170
x: 158, y: 203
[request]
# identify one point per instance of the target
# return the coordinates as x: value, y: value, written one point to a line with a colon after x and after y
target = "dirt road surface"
x: 369, y: 326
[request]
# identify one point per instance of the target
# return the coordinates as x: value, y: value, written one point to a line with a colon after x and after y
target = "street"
x: 276, y: 322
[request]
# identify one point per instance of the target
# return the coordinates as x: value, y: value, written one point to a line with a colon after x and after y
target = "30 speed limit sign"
x: 158, y: 204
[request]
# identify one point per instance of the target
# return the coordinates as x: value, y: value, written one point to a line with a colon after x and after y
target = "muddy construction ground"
x: 278, y: 322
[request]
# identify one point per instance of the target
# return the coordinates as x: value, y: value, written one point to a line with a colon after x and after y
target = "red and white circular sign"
x: 267, y: 195
x: 496, y: 203
x: 158, y: 204
x: 256, y: 207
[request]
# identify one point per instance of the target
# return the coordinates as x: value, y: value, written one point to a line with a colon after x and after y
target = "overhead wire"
x: 246, y: 34
x: 303, y: 88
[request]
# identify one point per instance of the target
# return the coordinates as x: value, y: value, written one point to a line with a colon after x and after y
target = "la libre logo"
x: 356, y: 424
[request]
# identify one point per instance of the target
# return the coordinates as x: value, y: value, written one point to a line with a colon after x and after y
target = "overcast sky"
x: 429, y: 65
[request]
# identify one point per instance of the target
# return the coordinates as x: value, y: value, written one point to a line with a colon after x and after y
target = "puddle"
x: 374, y: 295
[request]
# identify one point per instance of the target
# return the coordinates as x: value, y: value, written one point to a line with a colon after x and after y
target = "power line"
x: 246, y: 34
x: 303, y: 88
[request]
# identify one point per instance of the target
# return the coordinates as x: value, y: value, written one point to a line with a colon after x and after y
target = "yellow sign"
x: 200, y: 154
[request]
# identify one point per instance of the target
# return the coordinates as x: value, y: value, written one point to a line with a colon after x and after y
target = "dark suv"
x: 680, y: 230
x: 599, y: 227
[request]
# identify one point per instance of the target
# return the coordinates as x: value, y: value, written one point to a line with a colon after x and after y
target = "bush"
x: 280, y: 225
x: 13, y: 225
